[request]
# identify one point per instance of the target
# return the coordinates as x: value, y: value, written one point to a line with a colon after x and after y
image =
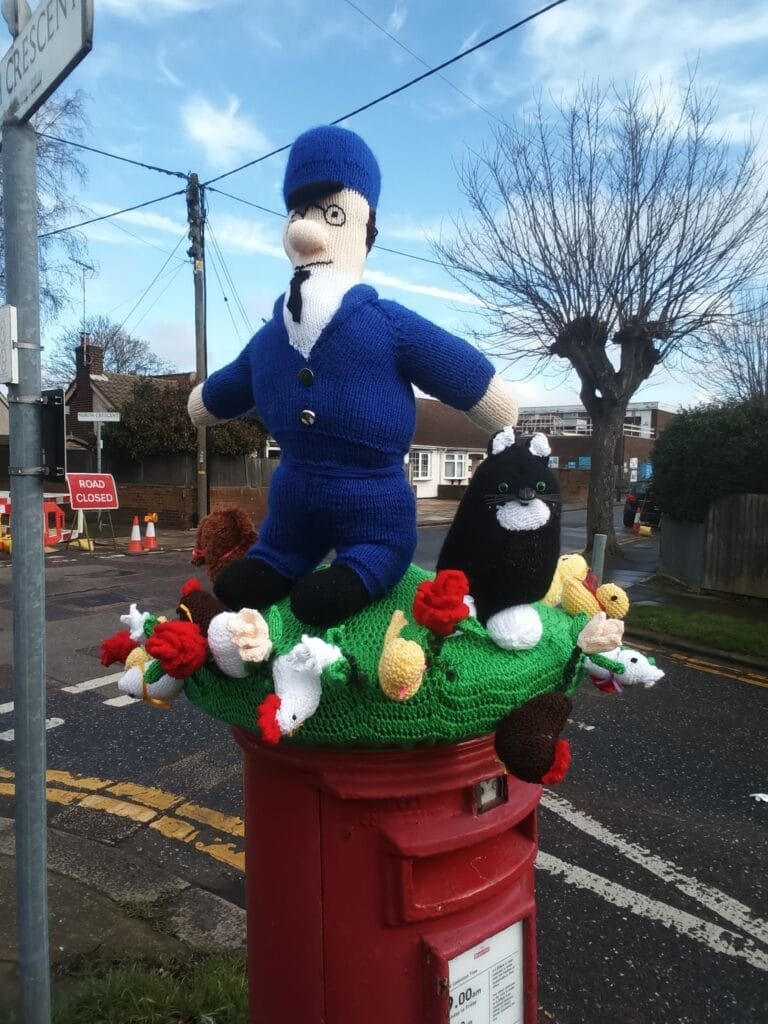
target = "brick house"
x: 94, y: 390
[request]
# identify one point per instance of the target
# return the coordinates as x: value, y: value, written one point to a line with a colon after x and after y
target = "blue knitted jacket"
x: 359, y: 388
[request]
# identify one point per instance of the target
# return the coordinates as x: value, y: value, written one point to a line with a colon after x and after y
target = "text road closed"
x: 92, y: 490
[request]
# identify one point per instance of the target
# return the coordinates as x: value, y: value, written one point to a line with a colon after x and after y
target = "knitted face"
x: 329, y: 232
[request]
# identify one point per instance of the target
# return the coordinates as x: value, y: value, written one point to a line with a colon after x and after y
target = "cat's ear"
x: 501, y: 440
x: 538, y: 445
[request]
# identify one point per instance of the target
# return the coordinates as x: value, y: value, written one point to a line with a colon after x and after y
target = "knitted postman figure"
x: 331, y: 376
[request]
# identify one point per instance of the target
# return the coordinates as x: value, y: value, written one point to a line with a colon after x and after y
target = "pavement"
x: 107, y: 904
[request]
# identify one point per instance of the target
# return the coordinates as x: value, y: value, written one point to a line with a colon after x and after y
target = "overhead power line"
x: 421, y: 61
x: 152, y: 282
x: 276, y: 213
x: 112, y: 156
x: 400, y: 88
x: 115, y: 213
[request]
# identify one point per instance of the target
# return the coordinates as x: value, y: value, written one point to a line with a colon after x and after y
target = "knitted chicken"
x: 402, y: 662
x: 571, y: 565
x: 297, y: 685
x: 589, y: 597
x: 612, y: 671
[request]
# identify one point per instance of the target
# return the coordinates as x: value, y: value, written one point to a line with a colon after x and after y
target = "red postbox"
x: 389, y: 886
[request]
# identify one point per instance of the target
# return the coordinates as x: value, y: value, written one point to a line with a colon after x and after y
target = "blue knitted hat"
x: 332, y: 158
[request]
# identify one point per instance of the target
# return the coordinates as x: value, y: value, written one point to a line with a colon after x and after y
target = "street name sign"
x: 56, y: 37
x: 98, y: 417
x: 9, y: 354
x: 88, y: 491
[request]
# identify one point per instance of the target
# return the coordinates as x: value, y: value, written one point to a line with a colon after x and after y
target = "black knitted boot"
x: 329, y: 596
x: 250, y: 583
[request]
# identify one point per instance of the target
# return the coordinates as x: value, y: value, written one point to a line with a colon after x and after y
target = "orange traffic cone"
x: 636, y: 524
x: 150, y: 540
x: 134, y: 544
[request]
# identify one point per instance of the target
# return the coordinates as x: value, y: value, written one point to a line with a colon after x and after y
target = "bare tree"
x: 610, y: 231
x: 122, y: 352
x: 57, y: 168
x: 737, y: 355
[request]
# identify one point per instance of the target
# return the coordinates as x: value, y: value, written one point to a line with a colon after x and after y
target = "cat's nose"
x: 526, y: 494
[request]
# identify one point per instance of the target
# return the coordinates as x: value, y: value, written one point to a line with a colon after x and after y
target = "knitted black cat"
x: 506, y: 537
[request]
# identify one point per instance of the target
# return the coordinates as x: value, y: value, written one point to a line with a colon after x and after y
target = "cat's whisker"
x: 503, y: 499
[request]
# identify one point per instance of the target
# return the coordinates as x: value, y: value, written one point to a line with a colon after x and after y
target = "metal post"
x: 26, y: 475
x: 195, y: 218
x: 598, y: 555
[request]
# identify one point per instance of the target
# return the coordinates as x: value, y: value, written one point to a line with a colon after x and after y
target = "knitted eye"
x: 502, y: 488
x: 334, y: 215
x: 633, y: 660
x: 541, y: 486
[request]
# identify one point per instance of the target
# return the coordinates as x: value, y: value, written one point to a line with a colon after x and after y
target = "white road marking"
x: 50, y: 723
x: 717, y: 938
x: 122, y: 701
x: 581, y: 725
x: 93, y: 684
x: 713, y: 899
x: 6, y: 708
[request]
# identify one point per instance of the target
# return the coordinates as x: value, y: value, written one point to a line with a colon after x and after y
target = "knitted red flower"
x: 180, y: 648
x: 117, y: 648
x: 560, y: 764
x: 439, y: 603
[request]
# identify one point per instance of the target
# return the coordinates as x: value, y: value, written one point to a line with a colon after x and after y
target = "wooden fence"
x: 728, y: 553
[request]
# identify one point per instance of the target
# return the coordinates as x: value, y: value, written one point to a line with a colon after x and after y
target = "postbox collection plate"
x: 486, y: 981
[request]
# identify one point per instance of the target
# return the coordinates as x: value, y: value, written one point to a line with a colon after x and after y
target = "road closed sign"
x: 92, y: 491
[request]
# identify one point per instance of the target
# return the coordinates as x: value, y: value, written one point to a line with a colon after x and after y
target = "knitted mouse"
x: 331, y: 376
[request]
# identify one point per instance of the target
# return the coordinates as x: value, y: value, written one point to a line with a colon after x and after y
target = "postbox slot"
x: 454, y: 879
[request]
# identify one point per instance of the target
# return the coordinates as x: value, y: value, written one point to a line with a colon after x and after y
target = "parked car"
x: 641, y: 496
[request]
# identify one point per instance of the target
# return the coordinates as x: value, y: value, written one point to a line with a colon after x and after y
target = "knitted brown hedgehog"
x: 222, y: 536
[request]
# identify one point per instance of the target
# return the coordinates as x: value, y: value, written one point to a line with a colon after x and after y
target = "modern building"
x: 447, y: 446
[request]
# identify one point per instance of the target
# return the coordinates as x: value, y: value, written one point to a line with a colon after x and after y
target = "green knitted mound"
x: 469, y: 685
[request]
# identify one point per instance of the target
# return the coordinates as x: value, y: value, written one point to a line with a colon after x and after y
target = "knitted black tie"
x: 294, y: 296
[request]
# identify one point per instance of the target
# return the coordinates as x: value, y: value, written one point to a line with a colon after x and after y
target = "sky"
x: 207, y: 85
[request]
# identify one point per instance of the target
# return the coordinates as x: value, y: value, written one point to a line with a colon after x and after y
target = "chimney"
x: 88, y: 358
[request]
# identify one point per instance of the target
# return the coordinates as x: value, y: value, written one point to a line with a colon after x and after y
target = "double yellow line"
x: 715, y: 668
x: 174, y: 817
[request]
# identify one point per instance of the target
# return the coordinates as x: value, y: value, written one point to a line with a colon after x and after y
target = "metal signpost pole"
x: 26, y: 476
x: 28, y: 75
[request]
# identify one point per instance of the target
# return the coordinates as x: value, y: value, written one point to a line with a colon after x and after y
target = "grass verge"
x: 719, y: 632
x: 202, y: 990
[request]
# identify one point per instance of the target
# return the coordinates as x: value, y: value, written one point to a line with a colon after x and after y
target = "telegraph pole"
x: 196, y: 221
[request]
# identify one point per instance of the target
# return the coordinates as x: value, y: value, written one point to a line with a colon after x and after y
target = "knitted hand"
x: 249, y: 632
x: 600, y: 634
x: 527, y: 739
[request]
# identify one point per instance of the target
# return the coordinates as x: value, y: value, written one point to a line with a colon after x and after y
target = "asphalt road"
x: 651, y: 877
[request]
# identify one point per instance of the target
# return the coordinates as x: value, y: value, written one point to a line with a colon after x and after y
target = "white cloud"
x: 397, y: 17
x: 147, y: 10
x: 406, y: 229
x: 238, y: 234
x: 165, y: 70
x: 376, y: 277
x: 144, y: 218
x: 225, y: 135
